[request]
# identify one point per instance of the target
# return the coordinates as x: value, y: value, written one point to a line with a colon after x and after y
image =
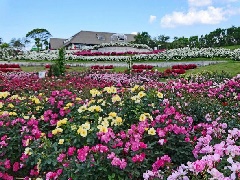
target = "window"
x: 100, y: 37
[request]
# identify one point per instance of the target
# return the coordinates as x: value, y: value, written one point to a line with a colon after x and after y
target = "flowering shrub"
x: 140, y: 46
x: 89, y: 53
x: 9, y: 53
x: 9, y: 67
x: 186, y: 128
x: 180, y: 69
x: 170, y: 54
x: 102, y: 67
x: 185, y: 67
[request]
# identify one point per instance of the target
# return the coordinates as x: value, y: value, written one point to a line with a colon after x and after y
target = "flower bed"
x: 185, y: 67
x: 170, y: 54
x: 9, y: 68
x: 180, y: 69
x: 140, y: 68
x: 183, y: 129
x: 98, y: 67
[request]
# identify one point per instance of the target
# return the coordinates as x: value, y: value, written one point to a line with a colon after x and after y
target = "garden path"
x: 119, y: 64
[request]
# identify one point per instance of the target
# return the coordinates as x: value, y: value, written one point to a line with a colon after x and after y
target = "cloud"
x: 211, y: 15
x: 152, y: 18
x: 198, y: 3
x: 135, y: 33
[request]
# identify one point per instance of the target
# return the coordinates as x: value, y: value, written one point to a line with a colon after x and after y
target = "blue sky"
x: 64, y: 18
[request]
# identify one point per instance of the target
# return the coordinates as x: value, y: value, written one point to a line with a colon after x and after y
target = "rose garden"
x: 138, y: 124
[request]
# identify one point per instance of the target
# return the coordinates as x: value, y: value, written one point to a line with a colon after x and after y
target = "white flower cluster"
x: 139, y: 46
x: 185, y: 53
x: 171, y: 54
x: 7, y: 53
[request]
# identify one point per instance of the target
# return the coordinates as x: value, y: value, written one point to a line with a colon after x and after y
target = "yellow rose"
x: 105, y: 123
x: 118, y: 120
x: 112, y: 114
x: 12, y: 114
x: 61, y: 141
x: 102, y: 129
x: 10, y: 105
x: 142, y: 117
x: 141, y: 94
x: 78, y: 99
x: 152, y: 131
x: 54, y: 132
x: 28, y: 151
x: 159, y: 95
x: 86, y: 126
x: 4, y: 94
x: 116, y: 98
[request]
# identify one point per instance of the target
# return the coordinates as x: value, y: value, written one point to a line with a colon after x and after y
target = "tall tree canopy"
x: 40, y: 37
x: 142, y: 38
x: 17, y: 43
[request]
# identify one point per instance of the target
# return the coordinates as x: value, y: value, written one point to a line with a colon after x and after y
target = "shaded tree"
x: 40, y: 37
x: 17, y: 43
x: 4, y: 45
x: 193, y: 41
x: 144, y: 38
x: 163, y: 40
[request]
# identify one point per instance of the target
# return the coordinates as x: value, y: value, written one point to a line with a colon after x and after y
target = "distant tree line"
x: 40, y: 38
x: 217, y: 38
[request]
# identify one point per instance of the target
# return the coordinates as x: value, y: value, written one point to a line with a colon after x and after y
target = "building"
x: 84, y: 39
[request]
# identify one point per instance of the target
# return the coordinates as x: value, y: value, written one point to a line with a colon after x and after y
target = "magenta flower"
x: 71, y: 151
x: 16, y: 166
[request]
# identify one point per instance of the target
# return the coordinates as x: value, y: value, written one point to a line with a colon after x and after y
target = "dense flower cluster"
x: 9, y: 67
x: 102, y: 67
x: 171, y: 54
x: 186, y: 128
x: 180, y: 69
x: 8, y: 53
x: 142, y: 46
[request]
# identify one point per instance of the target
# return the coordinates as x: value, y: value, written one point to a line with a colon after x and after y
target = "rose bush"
x: 170, y: 54
x: 187, y: 128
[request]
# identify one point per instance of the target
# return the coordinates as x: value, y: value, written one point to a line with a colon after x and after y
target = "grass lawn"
x: 231, y: 67
x: 232, y: 47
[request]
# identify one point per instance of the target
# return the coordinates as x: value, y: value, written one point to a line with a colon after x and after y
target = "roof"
x: 56, y: 43
x: 94, y: 38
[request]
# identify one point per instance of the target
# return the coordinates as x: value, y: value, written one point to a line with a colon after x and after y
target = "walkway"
x: 119, y: 64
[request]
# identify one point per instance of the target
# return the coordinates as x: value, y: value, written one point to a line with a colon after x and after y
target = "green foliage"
x: 61, y: 61
x: 40, y: 37
x: 17, y: 43
x: 4, y: 45
x: 58, y: 69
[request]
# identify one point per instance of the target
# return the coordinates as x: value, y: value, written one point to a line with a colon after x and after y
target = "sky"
x: 64, y: 18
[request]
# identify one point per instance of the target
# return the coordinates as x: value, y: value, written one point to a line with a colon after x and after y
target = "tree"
x: 58, y: 68
x: 143, y: 38
x: 193, y: 41
x: 4, y: 45
x: 17, y: 43
x: 162, y: 40
x: 1, y: 40
x: 40, y: 37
